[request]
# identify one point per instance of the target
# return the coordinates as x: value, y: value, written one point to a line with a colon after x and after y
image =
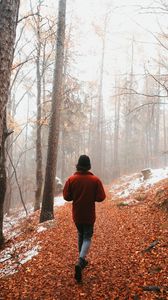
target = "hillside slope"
x: 128, y: 257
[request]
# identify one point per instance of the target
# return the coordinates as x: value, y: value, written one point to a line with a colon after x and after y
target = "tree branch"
x: 134, y: 92
x: 26, y: 17
x: 22, y: 63
x: 20, y: 192
x: 145, y: 104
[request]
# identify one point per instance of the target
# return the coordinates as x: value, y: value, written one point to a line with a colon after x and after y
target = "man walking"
x: 84, y: 189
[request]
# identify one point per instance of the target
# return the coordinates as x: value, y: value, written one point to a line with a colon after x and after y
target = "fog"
x: 114, y: 96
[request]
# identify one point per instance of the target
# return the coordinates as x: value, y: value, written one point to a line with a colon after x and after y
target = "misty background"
x: 114, y: 106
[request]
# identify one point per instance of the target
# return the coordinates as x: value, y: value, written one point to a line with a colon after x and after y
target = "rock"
x: 146, y: 173
x: 140, y: 197
x: 154, y: 270
x: 164, y: 204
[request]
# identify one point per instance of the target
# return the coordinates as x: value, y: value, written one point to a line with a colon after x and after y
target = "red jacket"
x: 84, y: 189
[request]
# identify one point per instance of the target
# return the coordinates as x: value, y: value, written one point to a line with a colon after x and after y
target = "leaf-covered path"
x: 118, y: 266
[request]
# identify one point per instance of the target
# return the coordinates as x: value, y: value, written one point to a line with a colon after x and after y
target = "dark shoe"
x: 78, y: 273
x: 83, y: 262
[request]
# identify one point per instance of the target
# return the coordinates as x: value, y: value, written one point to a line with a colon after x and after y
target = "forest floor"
x: 128, y: 258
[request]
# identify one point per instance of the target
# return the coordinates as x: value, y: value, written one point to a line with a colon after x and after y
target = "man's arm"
x: 100, y: 193
x: 67, y: 191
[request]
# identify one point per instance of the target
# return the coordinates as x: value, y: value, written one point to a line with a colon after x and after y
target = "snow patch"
x: 157, y: 175
x: 30, y: 254
x: 41, y: 228
x: 59, y: 201
x: 12, y: 221
x: 16, y: 255
x: 19, y: 253
x: 130, y: 184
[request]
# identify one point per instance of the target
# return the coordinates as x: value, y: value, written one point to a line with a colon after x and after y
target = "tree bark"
x: 8, y: 21
x: 7, y: 202
x: 39, y: 173
x: 100, y: 112
x: 116, y: 166
x: 63, y: 156
x: 129, y: 158
x: 47, y: 211
x: 2, y: 182
x: 164, y: 136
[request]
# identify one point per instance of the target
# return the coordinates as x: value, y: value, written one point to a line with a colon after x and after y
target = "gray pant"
x: 85, y: 233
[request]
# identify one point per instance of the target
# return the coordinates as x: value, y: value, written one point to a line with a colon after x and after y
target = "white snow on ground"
x: 41, y: 228
x: 12, y: 257
x: 17, y: 215
x: 12, y: 221
x: 133, y: 182
x: 59, y: 201
x: 29, y: 254
x: 19, y: 253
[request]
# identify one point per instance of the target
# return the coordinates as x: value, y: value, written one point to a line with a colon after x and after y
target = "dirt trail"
x: 118, y: 268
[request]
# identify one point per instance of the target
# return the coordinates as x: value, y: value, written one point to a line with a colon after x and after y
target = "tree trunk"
x: 39, y: 173
x: 128, y: 135
x: 7, y: 203
x: 2, y: 183
x: 100, y: 112
x: 47, y: 211
x: 157, y: 135
x: 146, y: 130
x: 129, y: 158
x: 63, y: 156
x: 116, y: 166
x: 8, y: 21
x: 9, y: 146
x: 165, y: 136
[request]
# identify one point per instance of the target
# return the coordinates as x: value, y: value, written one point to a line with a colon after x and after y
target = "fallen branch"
x: 151, y: 246
x: 152, y: 288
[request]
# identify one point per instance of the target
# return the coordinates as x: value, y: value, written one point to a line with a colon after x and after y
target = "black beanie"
x: 83, y: 163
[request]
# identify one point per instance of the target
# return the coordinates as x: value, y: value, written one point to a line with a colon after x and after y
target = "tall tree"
x: 116, y: 166
x: 8, y: 21
x: 47, y: 212
x: 100, y: 111
x: 39, y: 175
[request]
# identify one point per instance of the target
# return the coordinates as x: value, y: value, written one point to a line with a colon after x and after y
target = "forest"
x: 84, y: 77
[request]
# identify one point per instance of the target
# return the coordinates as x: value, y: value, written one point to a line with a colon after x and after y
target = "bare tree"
x: 48, y: 195
x: 116, y: 165
x: 39, y: 175
x: 100, y: 108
